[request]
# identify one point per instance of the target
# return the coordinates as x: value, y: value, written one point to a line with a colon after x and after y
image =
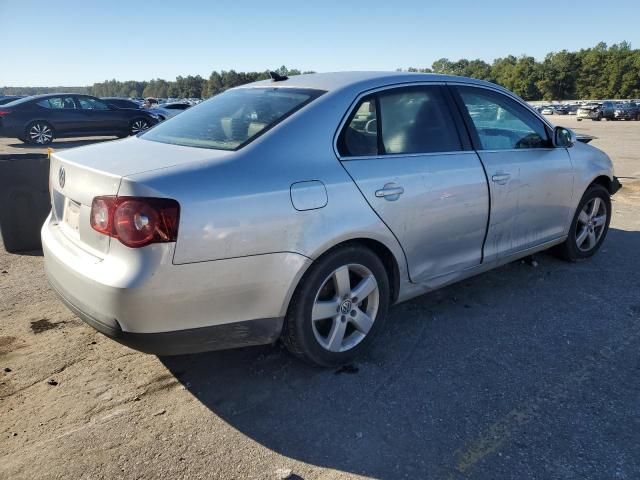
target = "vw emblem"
x: 345, y: 308
x: 61, y: 177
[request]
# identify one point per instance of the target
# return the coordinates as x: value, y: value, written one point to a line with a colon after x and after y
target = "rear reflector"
x: 136, y: 221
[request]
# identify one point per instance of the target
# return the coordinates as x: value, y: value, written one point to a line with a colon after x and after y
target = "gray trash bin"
x: 24, y: 200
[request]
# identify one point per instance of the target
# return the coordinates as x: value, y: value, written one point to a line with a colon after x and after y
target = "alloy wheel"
x: 40, y: 133
x: 345, y: 308
x: 592, y: 221
x: 138, y: 126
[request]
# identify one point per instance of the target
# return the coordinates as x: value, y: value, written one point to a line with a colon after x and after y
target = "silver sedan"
x: 300, y: 209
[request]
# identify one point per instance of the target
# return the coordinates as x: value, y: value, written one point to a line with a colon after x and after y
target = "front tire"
x: 39, y: 133
x: 589, y: 226
x: 338, y: 308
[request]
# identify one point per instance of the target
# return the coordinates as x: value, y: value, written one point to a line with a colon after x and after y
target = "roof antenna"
x: 276, y: 77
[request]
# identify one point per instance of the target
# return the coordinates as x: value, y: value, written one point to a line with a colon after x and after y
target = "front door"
x: 531, y: 182
x: 99, y: 117
x: 402, y: 148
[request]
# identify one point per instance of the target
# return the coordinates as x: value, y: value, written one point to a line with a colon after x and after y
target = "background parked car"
x: 168, y: 110
x: 560, y: 110
x: 41, y: 118
x: 590, y: 111
x: 547, y: 110
x: 123, y: 102
x: 9, y: 98
x: 627, y: 111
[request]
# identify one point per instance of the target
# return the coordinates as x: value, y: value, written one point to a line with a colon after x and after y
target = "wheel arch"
x: 604, y: 181
x: 390, y: 261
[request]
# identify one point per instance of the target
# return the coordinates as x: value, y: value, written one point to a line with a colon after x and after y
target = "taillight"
x: 136, y: 221
x: 4, y: 112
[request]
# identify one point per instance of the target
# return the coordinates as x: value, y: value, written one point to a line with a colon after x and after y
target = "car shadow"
x: 62, y: 143
x: 431, y: 398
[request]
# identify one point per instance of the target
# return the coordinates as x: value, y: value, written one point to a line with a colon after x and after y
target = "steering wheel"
x: 371, y: 126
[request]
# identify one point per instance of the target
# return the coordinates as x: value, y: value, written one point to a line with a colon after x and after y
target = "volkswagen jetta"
x: 303, y: 208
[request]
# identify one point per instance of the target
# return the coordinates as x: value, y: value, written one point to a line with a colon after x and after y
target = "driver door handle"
x: 501, y: 178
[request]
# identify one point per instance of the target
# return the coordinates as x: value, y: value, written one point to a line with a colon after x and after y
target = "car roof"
x: 332, y: 81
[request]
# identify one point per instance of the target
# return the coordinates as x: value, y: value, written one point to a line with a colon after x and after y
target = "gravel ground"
x: 522, y: 372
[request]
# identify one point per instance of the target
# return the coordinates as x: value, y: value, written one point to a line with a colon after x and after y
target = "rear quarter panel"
x: 242, y: 206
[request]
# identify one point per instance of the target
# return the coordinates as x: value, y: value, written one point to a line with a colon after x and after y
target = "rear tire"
x: 327, y: 324
x: 39, y: 133
x: 138, y: 125
x: 589, y: 226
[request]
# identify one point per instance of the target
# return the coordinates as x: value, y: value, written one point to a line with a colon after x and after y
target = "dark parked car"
x: 122, y: 102
x: 627, y: 111
x: 41, y: 118
x: 4, y: 99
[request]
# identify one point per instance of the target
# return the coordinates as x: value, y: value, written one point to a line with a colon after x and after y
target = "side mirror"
x: 564, y: 137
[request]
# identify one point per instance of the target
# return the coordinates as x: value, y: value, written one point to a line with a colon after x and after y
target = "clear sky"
x: 78, y: 42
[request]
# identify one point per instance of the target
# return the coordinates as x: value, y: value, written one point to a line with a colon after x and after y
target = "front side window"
x: 87, y: 103
x: 501, y: 123
x: 231, y: 119
x: 413, y: 120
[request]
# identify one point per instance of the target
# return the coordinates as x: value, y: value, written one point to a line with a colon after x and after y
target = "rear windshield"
x: 232, y: 119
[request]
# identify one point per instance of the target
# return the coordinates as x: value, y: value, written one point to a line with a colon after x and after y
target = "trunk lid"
x: 78, y: 175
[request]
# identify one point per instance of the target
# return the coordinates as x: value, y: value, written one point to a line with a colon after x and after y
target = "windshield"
x: 232, y: 119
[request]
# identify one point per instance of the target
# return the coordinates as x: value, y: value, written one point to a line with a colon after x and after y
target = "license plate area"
x: 71, y: 214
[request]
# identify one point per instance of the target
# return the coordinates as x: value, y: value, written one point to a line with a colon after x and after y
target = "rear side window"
x: 501, y: 123
x: 417, y: 120
x: 58, y: 103
x: 359, y: 138
x: 410, y: 120
x: 232, y: 119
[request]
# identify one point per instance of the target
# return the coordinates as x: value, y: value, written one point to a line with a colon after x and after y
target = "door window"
x: 501, y: 123
x: 360, y: 135
x: 58, y: 103
x: 417, y: 120
x: 412, y: 120
x: 87, y: 103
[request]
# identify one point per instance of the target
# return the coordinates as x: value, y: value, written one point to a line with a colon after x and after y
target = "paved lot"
x: 523, y: 372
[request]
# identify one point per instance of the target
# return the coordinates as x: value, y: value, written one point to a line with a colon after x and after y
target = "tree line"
x: 593, y: 73
x: 191, y: 86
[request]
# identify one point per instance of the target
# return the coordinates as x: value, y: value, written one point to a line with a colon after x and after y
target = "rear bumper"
x: 179, y: 342
x: 140, y: 298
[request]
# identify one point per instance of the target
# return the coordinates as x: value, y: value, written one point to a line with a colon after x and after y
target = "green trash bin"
x: 24, y: 200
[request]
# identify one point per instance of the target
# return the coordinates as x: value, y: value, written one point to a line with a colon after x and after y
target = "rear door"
x: 62, y: 113
x: 403, y: 149
x: 531, y: 181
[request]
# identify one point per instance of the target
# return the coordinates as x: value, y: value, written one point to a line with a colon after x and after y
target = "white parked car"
x: 169, y: 110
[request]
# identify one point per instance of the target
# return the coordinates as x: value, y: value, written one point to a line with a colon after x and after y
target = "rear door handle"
x: 501, y: 178
x: 390, y: 191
